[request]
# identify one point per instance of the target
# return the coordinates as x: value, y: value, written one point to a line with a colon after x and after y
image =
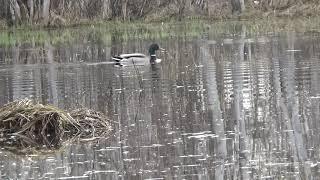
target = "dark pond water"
x: 219, y: 105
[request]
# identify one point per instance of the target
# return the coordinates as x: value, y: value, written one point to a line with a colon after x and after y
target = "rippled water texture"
x: 219, y: 106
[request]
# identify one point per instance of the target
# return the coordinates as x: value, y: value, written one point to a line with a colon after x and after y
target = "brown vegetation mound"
x: 26, y: 124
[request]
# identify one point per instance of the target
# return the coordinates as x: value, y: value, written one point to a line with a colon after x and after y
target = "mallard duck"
x: 138, y: 58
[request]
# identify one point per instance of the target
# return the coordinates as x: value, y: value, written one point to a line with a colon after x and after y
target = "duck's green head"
x: 153, y: 48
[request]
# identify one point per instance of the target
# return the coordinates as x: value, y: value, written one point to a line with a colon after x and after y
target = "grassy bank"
x: 119, y: 31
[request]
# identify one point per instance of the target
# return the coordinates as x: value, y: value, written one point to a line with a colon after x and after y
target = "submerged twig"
x: 138, y: 74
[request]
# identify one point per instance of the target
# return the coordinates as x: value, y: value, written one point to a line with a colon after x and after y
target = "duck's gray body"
x: 138, y: 58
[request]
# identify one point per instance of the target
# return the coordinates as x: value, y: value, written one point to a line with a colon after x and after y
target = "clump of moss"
x: 27, y: 124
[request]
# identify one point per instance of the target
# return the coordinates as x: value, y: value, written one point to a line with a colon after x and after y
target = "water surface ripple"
x: 219, y: 106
